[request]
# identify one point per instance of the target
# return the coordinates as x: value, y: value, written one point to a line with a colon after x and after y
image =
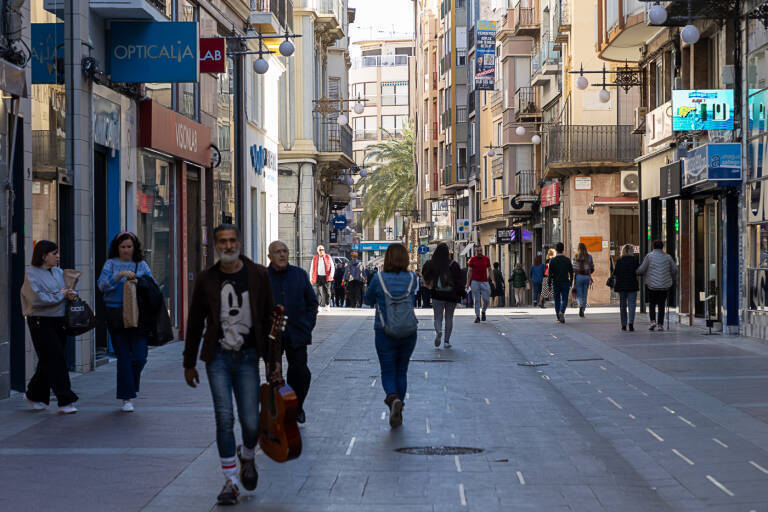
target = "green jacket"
x: 518, y: 278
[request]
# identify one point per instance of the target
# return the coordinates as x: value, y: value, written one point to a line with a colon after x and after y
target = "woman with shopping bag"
x: 44, y: 296
x: 118, y: 284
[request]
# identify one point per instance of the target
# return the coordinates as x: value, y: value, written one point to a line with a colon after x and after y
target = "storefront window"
x: 155, y: 221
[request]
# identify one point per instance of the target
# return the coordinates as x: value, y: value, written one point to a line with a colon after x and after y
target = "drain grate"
x: 439, y: 450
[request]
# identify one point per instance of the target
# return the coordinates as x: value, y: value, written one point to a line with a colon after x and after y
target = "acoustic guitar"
x: 279, y: 436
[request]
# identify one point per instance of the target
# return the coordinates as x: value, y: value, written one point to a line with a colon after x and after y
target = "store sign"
x: 340, y: 221
x: 550, y: 194
x: 172, y: 133
x: 261, y: 157
x: 213, y: 55
x: 758, y: 289
x: 423, y: 249
x: 106, y: 122
x: 463, y: 226
x: 155, y: 51
x: 712, y: 162
x: 286, y: 208
x: 592, y: 243
x: 702, y: 109
x: 670, y: 180
x: 758, y: 110
x: 47, y: 53
x: 507, y: 235
x: 485, y: 55
x: 582, y: 183
x: 371, y: 246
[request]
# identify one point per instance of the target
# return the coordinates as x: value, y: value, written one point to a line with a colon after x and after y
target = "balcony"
x: 331, y: 17
x: 603, y: 148
x: 526, y: 104
x: 434, y: 80
x: 525, y: 184
x: 445, y: 63
x: 561, y: 21
x: 621, y: 34
x: 336, y: 142
x: 48, y: 150
x: 545, y: 61
x: 365, y: 135
x: 526, y: 21
x: 471, y: 37
x: 143, y: 10
x: 273, y: 16
x: 380, y: 61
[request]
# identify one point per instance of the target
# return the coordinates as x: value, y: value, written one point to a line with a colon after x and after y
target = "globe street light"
x: 582, y: 83
x: 260, y: 65
x: 491, y: 153
x: 520, y: 131
x: 604, y: 96
x: 342, y: 120
x: 657, y: 15
x: 359, y: 107
x: 690, y: 34
x: 286, y: 47
x: 536, y: 139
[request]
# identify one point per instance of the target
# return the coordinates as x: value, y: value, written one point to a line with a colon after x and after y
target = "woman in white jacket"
x: 660, y: 271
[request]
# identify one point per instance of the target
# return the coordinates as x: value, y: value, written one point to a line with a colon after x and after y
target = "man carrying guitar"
x: 231, y: 303
x: 292, y: 289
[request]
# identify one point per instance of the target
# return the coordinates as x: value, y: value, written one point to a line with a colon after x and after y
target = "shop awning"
x: 615, y: 201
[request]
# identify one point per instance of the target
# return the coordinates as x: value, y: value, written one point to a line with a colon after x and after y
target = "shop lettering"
x: 186, y: 138
x: 214, y: 55
x: 176, y: 52
x: 262, y: 157
x: 758, y: 289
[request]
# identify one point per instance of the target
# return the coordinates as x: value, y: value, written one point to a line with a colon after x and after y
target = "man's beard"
x: 229, y: 257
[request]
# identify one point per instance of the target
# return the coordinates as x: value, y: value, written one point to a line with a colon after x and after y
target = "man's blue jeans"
x: 627, y: 300
x: 536, y: 292
x: 560, y: 290
x: 235, y: 371
x: 394, y: 356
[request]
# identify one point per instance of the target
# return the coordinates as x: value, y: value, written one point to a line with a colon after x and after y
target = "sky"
x: 382, y: 19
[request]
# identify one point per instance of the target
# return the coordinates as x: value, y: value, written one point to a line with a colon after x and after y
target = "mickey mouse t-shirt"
x: 236, y: 329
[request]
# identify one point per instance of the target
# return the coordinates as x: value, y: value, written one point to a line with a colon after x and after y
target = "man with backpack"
x: 353, y: 277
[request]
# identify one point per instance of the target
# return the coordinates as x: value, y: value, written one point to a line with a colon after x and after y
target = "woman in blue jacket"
x: 394, y: 353
x: 125, y: 263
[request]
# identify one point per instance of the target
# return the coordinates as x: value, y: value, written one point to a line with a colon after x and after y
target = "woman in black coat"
x: 625, y: 275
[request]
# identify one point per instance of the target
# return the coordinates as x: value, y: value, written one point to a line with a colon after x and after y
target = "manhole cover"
x: 439, y: 450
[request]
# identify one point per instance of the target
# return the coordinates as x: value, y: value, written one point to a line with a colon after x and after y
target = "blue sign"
x: 485, y: 55
x: 340, y: 222
x: 712, y: 162
x: 704, y: 109
x: 155, y: 51
x: 371, y: 246
x: 47, y: 48
x: 262, y: 157
x: 423, y: 249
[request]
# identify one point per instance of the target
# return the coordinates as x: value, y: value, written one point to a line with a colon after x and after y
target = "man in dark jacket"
x: 292, y: 289
x: 560, y: 277
x: 232, y: 302
x: 353, y: 276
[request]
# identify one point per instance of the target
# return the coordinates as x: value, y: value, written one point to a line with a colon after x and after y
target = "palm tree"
x: 392, y: 186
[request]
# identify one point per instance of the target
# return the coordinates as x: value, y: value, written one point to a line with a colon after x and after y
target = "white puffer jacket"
x: 659, y: 270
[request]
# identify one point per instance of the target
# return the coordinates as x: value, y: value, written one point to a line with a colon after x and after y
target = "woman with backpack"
x: 391, y: 292
x: 625, y: 284
x: 518, y: 281
x: 126, y: 263
x: 583, y: 267
x: 444, y: 278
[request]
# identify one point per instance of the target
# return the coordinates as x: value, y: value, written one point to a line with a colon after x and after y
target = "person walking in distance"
x: 292, y: 289
x: 536, y: 275
x: 560, y: 277
x: 353, y: 276
x: 231, y: 311
x: 126, y: 263
x: 323, y: 269
x: 43, y: 301
x: 546, y: 285
x: 499, y: 289
x: 583, y: 267
x: 339, y: 290
x: 518, y: 283
x: 660, y: 271
x: 478, y: 276
x: 391, y: 293
x: 444, y: 279
x: 625, y: 284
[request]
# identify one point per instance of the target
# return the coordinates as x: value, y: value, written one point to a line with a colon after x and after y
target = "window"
x: 404, y: 51
x: 256, y: 113
x: 365, y: 90
x: 393, y: 125
x: 394, y: 93
x: 365, y: 128
x: 485, y: 177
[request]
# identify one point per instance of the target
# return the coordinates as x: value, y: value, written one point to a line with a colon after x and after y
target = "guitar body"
x: 279, y: 436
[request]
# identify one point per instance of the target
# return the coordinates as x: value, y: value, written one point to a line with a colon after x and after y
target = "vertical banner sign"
x: 485, y: 55
x: 155, y: 51
x: 47, y: 53
x: 213, y: 55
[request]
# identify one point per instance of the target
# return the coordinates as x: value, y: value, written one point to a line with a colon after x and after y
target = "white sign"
x: 582, y: 183
x: 288, y: 208
x: 463, y: 225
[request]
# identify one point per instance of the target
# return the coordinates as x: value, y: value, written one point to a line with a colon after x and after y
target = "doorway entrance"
x: 625, y: 229
x: 194, y: 228
x: 100, y: 244
x: 707, y: 257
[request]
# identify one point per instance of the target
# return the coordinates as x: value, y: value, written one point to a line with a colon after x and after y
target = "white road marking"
x: 462, y: 495
x: 686, y: 459
x: 445, y: 388
x: 487, y: 402
x: 426, y: 375
x: 589, y: 382
x: 633, y: 416
x: 351, y: 444
x: 407, y: 396
x: 720, y: 442
x: 520, y: 477
x: 686, y: 421
x: 600, y: 391
x: 670, y: 411
x: 373, y: 383
x: 448, y: 407
x: 545, y: 377
x: 428, y: 429
x: 758, y: 466
x: 383, y: 415
x: 458, y: 463
x: 453, y: 436
x: 720, y: 486
x: 553, y: 336
x: 614, y: 402
x: 644, y: 394
x: 620, y: 377
x: 603, y: 368
x: 654, y: 434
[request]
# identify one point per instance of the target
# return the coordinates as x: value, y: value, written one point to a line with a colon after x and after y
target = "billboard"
x: 712, y: 162
x: 702, y: 109
x: 485, y: 55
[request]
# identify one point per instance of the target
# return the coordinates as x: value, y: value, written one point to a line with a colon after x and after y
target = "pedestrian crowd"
x: 240, y: 311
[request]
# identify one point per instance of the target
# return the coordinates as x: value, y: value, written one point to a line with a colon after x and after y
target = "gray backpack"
x: 401, y: 319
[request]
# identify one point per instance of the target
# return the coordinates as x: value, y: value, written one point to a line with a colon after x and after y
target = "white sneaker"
x: 67, y: 409
x: 438, y: 337
x: 660, y: 327
x: 38, y: 406
x: 652, y: 327
x: 447, y: 344
x: 127, y: 406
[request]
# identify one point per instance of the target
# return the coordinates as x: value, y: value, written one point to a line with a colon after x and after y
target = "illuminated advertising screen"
x: 702, y: 109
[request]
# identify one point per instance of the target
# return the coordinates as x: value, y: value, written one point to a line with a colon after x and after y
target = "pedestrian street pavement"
x: 522, y: 414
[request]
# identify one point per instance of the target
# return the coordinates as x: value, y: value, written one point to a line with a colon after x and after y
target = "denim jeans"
x: 131, y: 350
x: 536, y: 292
x: 440, y: 307
x: 581, y: 283
x: 627, y: 300
x: 560, y: 291
x: 235, y: 371
x: 394, y: 356
x: 481, y: 290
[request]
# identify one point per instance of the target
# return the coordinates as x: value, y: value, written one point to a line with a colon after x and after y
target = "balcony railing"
x: 471, y: 37
x: 366, y: 135
x: 461, y: 114
x: 434, y: 80
x: 380, y: 61
x: 544, y: 53
x: 282, y: 9
x: 338, y: 140
x: 48, y: 150
x: 561, y: 17
x: 586, y: 143
x: 525, y: 16
x: 526, y: 102
x: 525, y: 183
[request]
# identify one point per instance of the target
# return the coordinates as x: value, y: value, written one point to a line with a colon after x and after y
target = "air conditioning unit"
x: 630, y: 182
x: 640, y: 113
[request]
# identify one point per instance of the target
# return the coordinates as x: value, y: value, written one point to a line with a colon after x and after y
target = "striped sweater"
x: 659, y: 270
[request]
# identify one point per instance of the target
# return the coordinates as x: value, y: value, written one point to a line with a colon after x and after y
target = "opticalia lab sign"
x: 712, y: 162
x: 485, y: 55
x: 702, y: 109
x: 155, y: 51
x: 261, y: 157
x: 213, y: 55
x: 47, y: 53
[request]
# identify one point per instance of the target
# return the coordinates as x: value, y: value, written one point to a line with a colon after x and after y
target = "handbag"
x: 78, y: 317
x: 611, y: 282
x: 130, y: 305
